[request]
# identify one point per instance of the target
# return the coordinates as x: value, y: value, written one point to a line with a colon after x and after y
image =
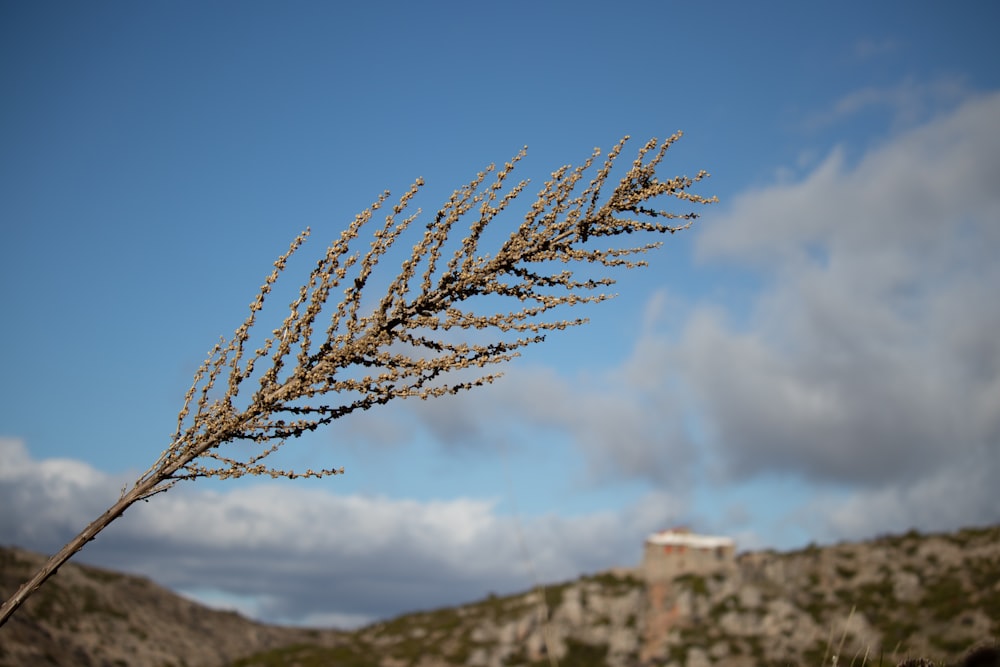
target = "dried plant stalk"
x: 399, y: 346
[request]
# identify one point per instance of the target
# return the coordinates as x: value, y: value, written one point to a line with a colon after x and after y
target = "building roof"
x: 687, y: 538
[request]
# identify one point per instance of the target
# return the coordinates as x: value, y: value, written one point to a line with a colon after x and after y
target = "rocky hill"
x: 91, y: 617
x: 877, y: 603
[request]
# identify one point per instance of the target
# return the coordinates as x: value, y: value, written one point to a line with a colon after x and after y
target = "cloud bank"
x: 287, y: 552
x: 869, y: 362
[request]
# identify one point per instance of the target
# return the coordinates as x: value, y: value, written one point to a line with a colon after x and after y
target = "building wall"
x: 664, y: 562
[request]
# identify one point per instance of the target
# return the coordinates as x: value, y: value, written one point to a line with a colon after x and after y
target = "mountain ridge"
x: 880, y: 601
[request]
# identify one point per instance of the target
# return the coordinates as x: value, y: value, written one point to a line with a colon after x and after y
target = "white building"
x: 671, y: 553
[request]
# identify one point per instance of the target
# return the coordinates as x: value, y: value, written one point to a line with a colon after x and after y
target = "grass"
x: 696, y: 583
x: 302, y: 655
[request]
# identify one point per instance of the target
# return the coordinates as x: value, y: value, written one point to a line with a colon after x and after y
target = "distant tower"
x: 671, y: 553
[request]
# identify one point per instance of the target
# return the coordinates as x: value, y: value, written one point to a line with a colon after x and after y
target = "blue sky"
x: 815, y: 360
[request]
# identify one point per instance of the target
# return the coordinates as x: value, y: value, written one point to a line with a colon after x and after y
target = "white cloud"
x: 42, y: 500
x: 954, y: 496
x: 870, y: 357
x: 908, y: 102
x: 290, y: 552
x: 606, y: 416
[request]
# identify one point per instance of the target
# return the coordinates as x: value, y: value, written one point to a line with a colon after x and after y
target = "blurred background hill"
x: 880, y: 601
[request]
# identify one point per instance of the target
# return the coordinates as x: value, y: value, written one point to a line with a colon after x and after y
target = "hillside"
x: 876, y: 602
x: 91, y: 617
